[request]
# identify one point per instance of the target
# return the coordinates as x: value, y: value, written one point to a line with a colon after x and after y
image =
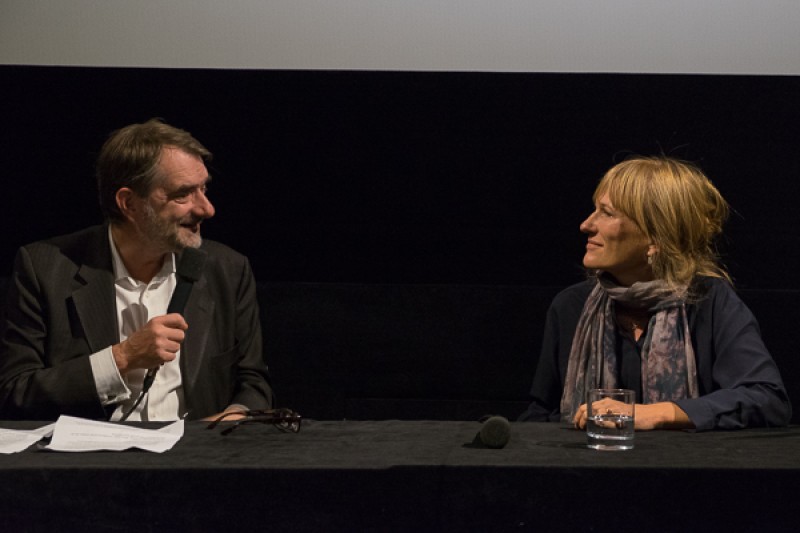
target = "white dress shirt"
x: 137, y: 303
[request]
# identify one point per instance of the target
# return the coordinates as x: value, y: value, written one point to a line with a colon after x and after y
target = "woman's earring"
x: 650, y: 259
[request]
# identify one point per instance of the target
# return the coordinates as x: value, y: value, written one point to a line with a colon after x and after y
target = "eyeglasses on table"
x: 284, y: 419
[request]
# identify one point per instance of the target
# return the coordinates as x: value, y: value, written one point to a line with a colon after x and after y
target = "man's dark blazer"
x: 62, y: 308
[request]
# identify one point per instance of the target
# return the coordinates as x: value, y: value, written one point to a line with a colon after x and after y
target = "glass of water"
x: 610, y: 419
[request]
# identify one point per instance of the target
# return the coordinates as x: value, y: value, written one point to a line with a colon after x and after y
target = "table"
x: 410, y: 476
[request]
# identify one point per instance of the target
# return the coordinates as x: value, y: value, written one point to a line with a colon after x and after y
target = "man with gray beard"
x: 87, y: 312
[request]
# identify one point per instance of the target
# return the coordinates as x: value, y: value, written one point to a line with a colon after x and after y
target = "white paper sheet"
x: 16, y: 440
x: 80, y: 435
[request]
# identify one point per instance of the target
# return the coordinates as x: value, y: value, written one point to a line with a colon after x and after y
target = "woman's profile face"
x: 616, y: 244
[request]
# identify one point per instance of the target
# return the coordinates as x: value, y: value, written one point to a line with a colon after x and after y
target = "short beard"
x: 168, y: 234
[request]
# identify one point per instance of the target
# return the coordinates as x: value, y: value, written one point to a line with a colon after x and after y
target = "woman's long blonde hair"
x: 677, y: 207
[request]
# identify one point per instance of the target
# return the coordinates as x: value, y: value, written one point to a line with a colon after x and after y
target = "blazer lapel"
x: 198, y: 313
x: 95, y: 304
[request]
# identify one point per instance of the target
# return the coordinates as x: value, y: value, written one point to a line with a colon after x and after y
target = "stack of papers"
x: 70, y: 434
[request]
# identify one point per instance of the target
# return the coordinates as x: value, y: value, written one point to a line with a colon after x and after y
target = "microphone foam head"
x: 495, y: 432
x: 190, y: 265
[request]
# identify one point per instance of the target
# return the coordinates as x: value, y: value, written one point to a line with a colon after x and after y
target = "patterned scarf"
x: 668, y: 363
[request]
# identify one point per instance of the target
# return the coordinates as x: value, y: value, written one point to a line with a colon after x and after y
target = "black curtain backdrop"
x: 410, y: 177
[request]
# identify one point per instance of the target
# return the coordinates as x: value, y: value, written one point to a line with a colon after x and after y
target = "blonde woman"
x: 658, y: 314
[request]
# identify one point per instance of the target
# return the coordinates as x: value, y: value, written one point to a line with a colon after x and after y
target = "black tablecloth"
x: 420, y: 475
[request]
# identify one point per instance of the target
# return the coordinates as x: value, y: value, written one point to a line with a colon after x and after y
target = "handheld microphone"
x: 495, y: 432
x: 188, y: 270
